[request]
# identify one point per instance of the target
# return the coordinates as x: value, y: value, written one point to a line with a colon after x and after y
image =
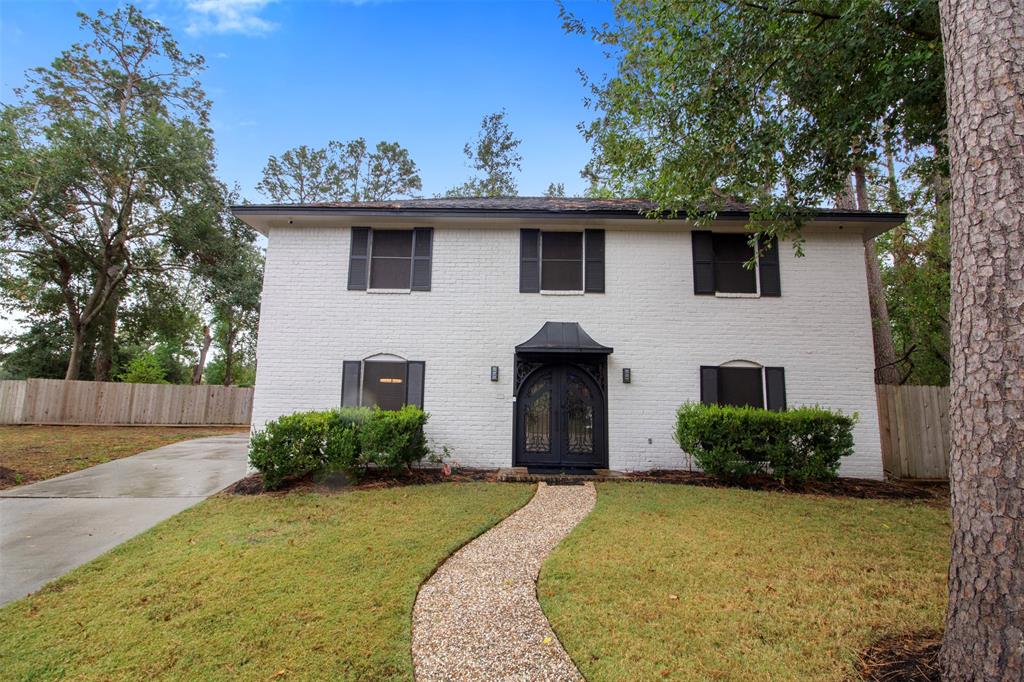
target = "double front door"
x: 560, y: 419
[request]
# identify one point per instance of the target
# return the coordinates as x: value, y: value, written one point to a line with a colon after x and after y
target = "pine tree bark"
x: 984, y: 53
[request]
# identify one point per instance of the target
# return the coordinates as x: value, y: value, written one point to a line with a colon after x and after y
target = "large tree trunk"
x: 74, y: 369
x: 984, y: 52
x: 104, y: 361
x: 197, y: 369
x: 229, y: 353
x: 886, y: 371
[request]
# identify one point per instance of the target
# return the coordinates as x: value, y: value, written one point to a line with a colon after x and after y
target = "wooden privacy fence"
x: 914, y: 422
x: 54, y: 401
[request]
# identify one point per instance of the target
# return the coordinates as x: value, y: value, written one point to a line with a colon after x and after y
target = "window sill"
x: 389, y: 291
x: 727, y: 294
x: 546, y: 292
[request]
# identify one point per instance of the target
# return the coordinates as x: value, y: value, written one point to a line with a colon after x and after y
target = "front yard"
x: 35, y: 453
x: 661, y: 581
x: 267, y: 587
x: 689, y: 583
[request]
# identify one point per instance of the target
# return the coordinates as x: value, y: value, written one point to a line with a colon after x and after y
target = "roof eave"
x: 874, y: 224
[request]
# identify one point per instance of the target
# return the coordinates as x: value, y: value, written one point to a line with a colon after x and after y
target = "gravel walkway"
x: 478, y: 618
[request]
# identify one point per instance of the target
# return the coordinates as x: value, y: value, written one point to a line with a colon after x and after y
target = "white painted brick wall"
x: 819, y: 330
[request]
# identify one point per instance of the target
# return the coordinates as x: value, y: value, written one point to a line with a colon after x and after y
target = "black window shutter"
x: 529, y: 261
x: 709, y: 385
x: 422, y: 250
x: 703, y: 262
x: 414, y: 385
x: 768, y: 264
x: 359, y: 258
x: 775, y: 388
x: 350, y: 372
x: 593, y: 249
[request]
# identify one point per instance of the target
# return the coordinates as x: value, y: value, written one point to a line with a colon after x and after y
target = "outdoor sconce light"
x: 494, y: 372
x: 627, y: 375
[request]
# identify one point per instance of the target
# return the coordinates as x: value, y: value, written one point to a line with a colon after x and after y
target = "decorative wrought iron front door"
x: 560, y: 419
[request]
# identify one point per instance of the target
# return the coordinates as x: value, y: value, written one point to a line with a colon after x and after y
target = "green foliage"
x: 108, y: 180
x: 342, y: 171
x: 732, y: 443
x: 145, y: 368
x: 555, y: 189
x: 915, y: 266
x: 494, y: 154
x: 394, y: 440
x: 772, y: 103
x: 242, y: 375
x: 347, y: 439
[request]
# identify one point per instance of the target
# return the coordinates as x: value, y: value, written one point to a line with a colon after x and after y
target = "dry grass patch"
x: 296, y: 586
x: 690, y: 583
x: 35, y: 453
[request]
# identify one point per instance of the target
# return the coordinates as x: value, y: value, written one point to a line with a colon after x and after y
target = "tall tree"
x: 301, y: 176
x: 109, y: 172
x: 342, y: 171
x: 774, y: 103
x: 494, y: 155
x: 555, y: 189
x: 984, y: 43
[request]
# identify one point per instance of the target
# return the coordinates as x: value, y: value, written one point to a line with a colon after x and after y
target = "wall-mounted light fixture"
x: 627, y: 375
x: 494, y: 372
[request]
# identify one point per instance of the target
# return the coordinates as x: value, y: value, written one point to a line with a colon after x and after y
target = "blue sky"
x: 288, y: 72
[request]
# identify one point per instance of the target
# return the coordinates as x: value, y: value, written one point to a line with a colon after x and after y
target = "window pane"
x: 732, y: 247
x: 731, y: 252
x: 390, y: 273
x: 392, y: 243
x: 384, y: 384
x: 561, y: 261
x: 733, y: 278
x: 740, y: 386
x: 562, y: 245
x: 562, y: 275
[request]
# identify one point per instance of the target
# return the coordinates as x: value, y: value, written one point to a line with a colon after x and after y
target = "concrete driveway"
x: 50, y: 527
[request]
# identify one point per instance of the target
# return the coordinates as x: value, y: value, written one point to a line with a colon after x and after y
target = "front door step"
x: 556, y: 476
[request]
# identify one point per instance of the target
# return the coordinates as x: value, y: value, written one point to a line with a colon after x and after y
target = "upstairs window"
x: 732, y: 251
x: 743, y: 385
x: 390, y: 259
x: 719, y: 260
x: 561, y: 261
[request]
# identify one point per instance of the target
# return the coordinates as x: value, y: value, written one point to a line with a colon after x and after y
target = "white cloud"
x: 228, y: 16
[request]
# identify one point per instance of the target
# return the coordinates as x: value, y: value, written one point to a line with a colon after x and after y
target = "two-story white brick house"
x: 560, y: 332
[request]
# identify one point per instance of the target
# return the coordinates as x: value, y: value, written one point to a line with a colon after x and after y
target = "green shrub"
x: 290, y: 446
x: 394, y: 440
x: 348, y: 440
x: 732, y: 443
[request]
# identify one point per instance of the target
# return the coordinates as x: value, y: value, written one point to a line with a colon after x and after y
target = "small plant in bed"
x: 347, y: 439
x: 734, y: 443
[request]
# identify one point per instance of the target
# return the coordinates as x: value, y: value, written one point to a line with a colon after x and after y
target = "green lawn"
x: 690, y: 583
x: 271, y: 587
x: 35, y: 453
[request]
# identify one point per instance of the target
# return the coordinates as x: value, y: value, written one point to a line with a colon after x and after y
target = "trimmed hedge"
x: 348, y: 439
x: 795, y: 446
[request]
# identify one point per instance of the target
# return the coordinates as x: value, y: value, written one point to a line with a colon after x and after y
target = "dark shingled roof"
x: 513, y: 205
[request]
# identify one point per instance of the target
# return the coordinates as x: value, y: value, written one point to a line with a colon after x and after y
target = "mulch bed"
x: 912, y: 657
x: 936, y: 493
x: 842, y: 487
x: 317, y: 483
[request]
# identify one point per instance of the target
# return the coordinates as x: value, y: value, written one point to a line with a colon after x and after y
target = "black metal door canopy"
x: 561, y: 407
